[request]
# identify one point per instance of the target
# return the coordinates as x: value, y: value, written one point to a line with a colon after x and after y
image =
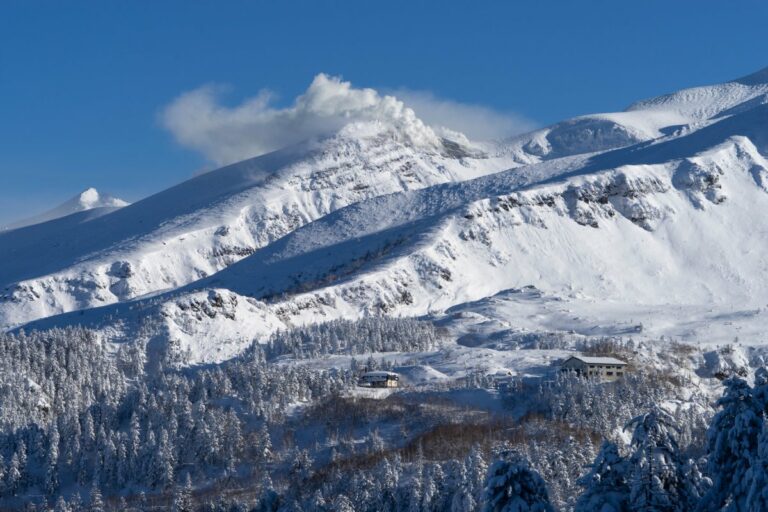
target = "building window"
x: 619, y: 374
x: 609, y: 373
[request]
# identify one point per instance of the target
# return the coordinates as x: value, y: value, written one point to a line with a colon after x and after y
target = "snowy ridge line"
x: 90, y: 200
x: 207, y: 223
x: 478, y: 248
x: 361, y: 224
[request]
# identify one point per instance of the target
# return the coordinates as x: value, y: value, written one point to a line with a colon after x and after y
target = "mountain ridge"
x: 568, y: 221
x: 88, y: 199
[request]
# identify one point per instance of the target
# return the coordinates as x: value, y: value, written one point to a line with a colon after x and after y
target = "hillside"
x: 203, y: 225
x: 665, y: 221
x: 204, y: 348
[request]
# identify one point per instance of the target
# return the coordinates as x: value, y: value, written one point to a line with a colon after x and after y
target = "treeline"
x: 373, y: 334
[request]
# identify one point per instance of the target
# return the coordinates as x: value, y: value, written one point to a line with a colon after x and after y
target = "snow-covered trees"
x: 342, y: 504
x: 757, y: 497
x: 607, y: 483
x: 652, y: 478
x: 182, y: 498
x: 512, y: 486
x: 96, y: 501
x: 373, y: 334
x: 657, y: 481
x: 732, y: 442
x: 74, y: 420
x: 590, y: 404
x: 104, y: 424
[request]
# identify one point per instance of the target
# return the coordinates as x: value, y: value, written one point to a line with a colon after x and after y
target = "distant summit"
x: 88, y: 199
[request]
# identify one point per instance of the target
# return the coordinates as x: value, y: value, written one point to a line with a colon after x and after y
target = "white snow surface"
x: 209, y: 222
x: 599, y: 360
x: 644, y: 223
x: 88, y: 199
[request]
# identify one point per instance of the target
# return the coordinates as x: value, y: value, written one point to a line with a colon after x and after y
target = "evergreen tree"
x: 698, y: 484
x: 342, y: 504
x: 3, y: 475
x: 656, y: 475
x: 96, y: 503
x: 301, y: 468
x: 51, y: 462
x: 76, y: 502
x: 264, y: 444
x: 512, y: 486
x: 476, y: 468
x: 607, y: 483
x: 182, y: 497
x: 13, y: 475
x: 269, y: 501
x: 757, y: 499
x: 732, y: 441
x: 318, y: 502
x: 61, y: 505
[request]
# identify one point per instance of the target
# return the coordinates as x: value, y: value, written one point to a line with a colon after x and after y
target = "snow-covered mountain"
x: 203, y: 225
x: 615, y: 219
x: 87, y: 200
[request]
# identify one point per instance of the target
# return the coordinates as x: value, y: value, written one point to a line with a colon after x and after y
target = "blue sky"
x: 83, y: 84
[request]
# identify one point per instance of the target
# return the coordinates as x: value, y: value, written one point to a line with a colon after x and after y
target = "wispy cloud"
x: 477, y: 122
x: 200, y: 121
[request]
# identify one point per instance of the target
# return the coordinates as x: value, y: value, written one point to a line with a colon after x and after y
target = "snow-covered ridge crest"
x: 643, y: 121
x: 229, y: 134
x: 610, y: 235
x: 88, y: 199
x: 205, y: 224
x: 626, y: 206
x: 699, y: 104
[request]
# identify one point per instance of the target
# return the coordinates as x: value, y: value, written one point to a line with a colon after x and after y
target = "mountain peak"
x: 89, y: 195
x: 88, y: 199
x: 91, y: 198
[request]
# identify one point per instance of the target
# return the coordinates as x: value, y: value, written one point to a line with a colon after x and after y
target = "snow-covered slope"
x: 648, y: 235
x: 643, y: 121
x: 700, y: 104
x: 203, y: 225
x: 88, y: 199
x: 624, y: 215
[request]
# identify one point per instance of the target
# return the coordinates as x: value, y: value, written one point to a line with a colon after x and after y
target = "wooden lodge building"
x: 606, y: 369
x: 379, y: 379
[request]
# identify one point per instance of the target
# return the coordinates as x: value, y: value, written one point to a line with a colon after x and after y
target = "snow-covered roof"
x: 379, y: 374
x: 598, y: 360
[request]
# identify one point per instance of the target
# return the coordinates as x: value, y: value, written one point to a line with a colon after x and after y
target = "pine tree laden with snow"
x: 607, y: 483
x: 656, y: 478
x: 732, y: 441
x: 512, y: 486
